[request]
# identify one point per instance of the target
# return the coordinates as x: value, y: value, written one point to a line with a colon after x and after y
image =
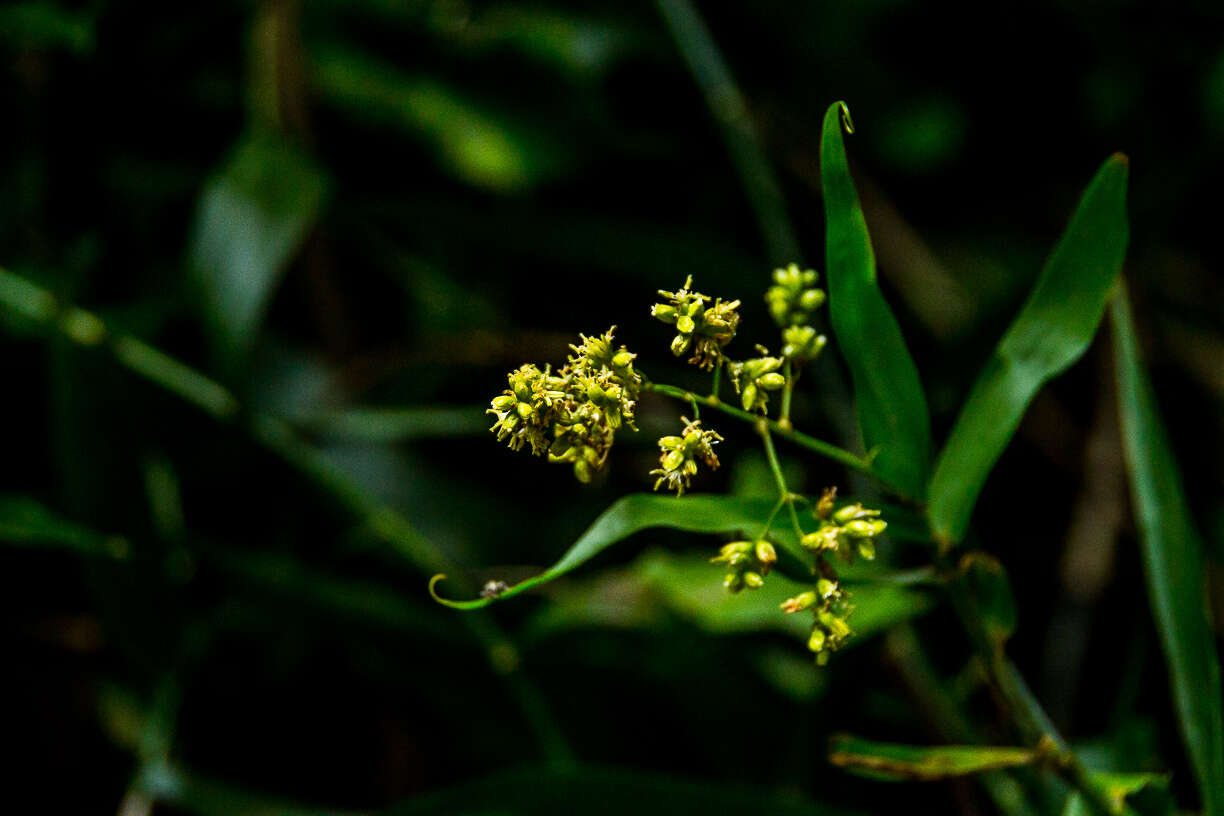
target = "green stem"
x: 89, y: 331
x: 820, y: 447
x: 775, y: 466
x: 790, y: 375
x: 773, y: 514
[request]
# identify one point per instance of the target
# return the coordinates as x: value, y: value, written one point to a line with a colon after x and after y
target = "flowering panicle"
x: 850, y: 531
x: 573, y: 415
x: 680, y: 454
x: 701, y: 328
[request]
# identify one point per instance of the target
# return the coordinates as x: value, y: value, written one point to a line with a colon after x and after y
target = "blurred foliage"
x: 350, y: 218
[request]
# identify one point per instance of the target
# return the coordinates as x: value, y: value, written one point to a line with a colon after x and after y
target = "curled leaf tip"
x: 846, y: 121
x: 433, y: 582
x: 1121, y: 158
x: 484, y: 600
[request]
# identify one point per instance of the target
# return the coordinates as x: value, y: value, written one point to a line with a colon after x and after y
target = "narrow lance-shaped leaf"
x: 1051, y: 332
x: 1173, y: 564
x: 890, y: 761
x: 892, y: 409
x: 26, y: 523
x: 632, y: 514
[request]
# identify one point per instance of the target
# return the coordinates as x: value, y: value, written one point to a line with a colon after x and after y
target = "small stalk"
x: 790, y: 374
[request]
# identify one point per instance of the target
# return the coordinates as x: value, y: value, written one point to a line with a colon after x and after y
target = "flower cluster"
x: 701, y: 328
x: 753, y: 378
x: 850, y: 531
x: 793, y: 301
x: 748, y: 562
x: 793, y: 298
x: 572, y: 415
x: 680, y: 454
x: 829, y: 611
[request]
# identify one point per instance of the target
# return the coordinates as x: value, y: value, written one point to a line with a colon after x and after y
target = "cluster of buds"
x: 849, y: 531
x: 794, y: 298
x: 701, y: 327
x: 680, y: 454
x: 829, y: 611
x: 573, y: 415
x: 748, y: 562
x: 753, y: 378
x: 793, y: 301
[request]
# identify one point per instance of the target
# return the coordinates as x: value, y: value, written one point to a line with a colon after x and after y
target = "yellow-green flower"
x: 701, y: 328
x: 680, y: 455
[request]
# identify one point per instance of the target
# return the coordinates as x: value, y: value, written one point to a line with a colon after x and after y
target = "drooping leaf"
x: 631, y: 514
x: 1052, y: 331
x: 1144, y: 793
x: 596, y: 791
x: 24, y: 522
x: 891, y: 761
x: 892, y: 409
x: 1173, y: 563
x: 251, y: 220
x: 690, y: 586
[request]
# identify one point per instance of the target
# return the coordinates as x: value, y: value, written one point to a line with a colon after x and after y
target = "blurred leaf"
x: 1051, y: 332
x: 252, y: 218
x: 1173, y: 563
x: 543, y: 791
x: 986, y: 586
x: 690, y: 586
x: 479, y: 146
x: 402, y: 424
x: 890, y: 761
x: 25, y: 522
x: 892, y: 409
x: 1145, y: 794
x: 206, y: 797
x: 38, y: 26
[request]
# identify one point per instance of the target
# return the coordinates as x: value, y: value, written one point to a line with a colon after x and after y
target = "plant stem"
x: 790, y: 374
x: 89, y: 331
x: 774, y: 465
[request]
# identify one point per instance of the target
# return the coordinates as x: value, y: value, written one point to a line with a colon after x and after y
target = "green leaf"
x: 1144, y: 793
x: 252, y: 218
x: 1051, y: 332
x: 1172, y: 562
x: 890, y: 761
x: 25, y: 522
x: 690, y: 586
x: 631, y: 514
x: 595, y: 791
x: 892, y: 409
x: 987, y: 588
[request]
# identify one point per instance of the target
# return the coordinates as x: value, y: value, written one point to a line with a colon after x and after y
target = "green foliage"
x: 1173, y: 563
x: 889, y: 761
x: 1053, y: 329
x: 892, y: 409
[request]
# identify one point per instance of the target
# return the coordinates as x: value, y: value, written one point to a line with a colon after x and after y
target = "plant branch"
x: 820, y: 447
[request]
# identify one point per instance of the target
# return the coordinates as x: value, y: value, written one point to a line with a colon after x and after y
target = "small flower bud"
x: 811, y: 300
x: 854, y: 511
x: 664, y: 312
x: 864, y: 528
x: 772, y: 381
x: 825, y: 588
x: 732, y: 582
x: 753, y: 580
x: 766, y: 553
x: 866, y: 549
x: 802, y: 601
x: 816, y: 642
x: 749, y: 396
x: 824, y: 507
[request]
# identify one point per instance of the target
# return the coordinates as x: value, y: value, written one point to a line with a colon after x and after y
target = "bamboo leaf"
x: 632, y: 514
x: 252, y: 218
x: 1146, y: 794
x: 892, y: 409
x: 1173, y: 564
x: 890, y: 761
x: 24, y: 522
x: 1051, y: 332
